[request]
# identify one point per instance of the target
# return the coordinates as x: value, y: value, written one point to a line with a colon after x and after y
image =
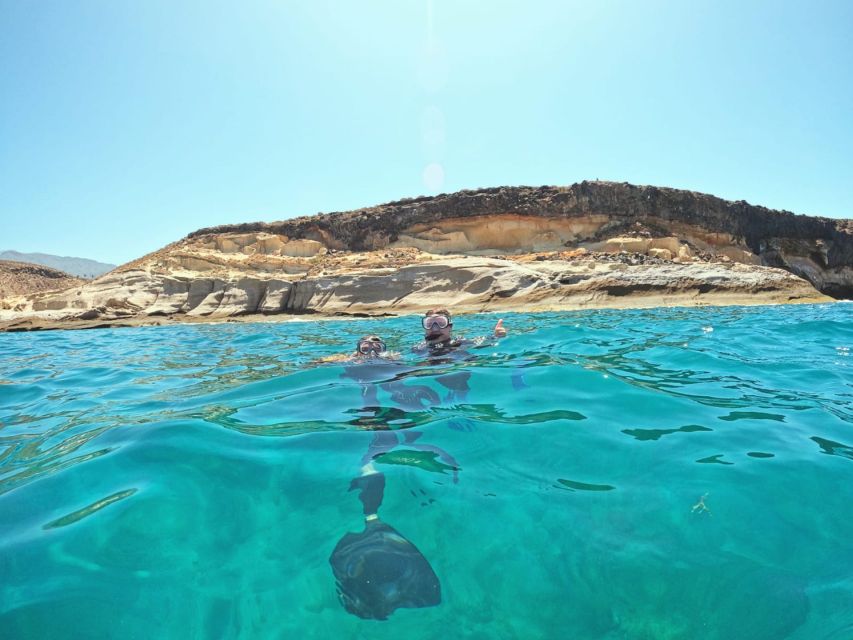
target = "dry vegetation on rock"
x: 19, y: 278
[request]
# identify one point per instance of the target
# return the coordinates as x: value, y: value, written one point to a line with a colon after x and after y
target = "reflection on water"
x: 550, y: 482
x: 71, y: 518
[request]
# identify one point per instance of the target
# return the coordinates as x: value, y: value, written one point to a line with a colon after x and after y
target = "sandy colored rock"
x: 301, y: 248
x: 382, y: 283
x: 591, y: 245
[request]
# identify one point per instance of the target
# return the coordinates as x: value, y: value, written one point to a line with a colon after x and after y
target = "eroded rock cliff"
x: 592, y: 244
x: 524, y: 219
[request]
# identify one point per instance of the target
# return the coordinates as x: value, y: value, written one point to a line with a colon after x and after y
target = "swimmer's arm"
x: 338, y: 357
x: 347, y: 357
x: 499, y: 330
x: 483, y: 342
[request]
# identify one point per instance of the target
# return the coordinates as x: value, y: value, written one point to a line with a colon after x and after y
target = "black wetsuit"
x: 456, y: 346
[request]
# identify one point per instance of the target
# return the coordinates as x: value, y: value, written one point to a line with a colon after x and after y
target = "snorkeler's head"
x: 437, y: 324
x: 370, y: 347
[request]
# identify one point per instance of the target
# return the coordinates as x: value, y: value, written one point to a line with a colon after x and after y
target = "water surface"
x: 638, y: 474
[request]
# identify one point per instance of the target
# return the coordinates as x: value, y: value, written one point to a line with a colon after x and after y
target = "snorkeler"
x: 439, y: 343
x: 368, y: 365
x: 378, y: 570
x: 370, y: 347
x: 438, y: 334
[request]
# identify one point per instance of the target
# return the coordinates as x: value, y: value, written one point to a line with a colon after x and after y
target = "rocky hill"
x: 18, y: 278
x: 592, y: 244
x: 523, y: 219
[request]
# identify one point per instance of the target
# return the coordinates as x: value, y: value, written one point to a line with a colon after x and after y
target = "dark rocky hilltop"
x: 779, y: 238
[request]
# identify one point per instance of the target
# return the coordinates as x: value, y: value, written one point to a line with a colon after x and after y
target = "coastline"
x: 592, y: 245
x: 401, y: 282
x: 27, y: 324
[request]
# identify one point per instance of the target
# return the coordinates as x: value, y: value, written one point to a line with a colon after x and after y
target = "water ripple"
x: 573, y: 454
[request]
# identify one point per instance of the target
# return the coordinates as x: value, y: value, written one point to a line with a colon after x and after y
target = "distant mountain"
x: 80, y: 267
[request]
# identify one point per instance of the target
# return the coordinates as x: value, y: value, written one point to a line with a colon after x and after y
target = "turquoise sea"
x: 646, y: 474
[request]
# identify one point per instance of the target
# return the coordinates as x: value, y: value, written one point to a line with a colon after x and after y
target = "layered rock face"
x: 522, y: 219
x: 589, y: 245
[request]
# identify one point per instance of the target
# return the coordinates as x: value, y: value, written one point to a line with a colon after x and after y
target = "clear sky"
x: 124, y: 125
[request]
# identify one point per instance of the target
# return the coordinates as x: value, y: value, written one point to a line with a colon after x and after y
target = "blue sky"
x: 125, y: 125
